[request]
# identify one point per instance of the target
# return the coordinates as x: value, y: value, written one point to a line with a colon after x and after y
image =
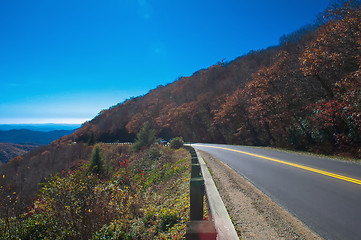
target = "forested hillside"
x: 183, y: 108
x: 303, y: 94
x: 112, y: 193
x: 10, y: 150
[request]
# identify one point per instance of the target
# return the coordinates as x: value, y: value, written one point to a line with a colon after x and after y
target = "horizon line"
x: 18, y: 121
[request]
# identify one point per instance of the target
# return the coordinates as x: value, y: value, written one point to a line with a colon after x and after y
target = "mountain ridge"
x: 41, y: 127
x: 26, y: 136
x: 9, y: 151
x: 301, y: 95
x: 293, y: 96
x: 159, y: 105
x: 16, y: 142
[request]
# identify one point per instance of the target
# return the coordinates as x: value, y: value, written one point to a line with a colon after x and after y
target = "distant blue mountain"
x: 26, y: 136
x: 40, y: 127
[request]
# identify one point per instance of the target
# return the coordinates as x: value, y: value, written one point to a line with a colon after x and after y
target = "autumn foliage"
x: 309, y: 98
x: 303, y: 94
x: 143, y: 195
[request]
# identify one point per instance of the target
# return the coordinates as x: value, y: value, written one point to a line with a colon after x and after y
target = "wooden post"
x: 195, y: 160
x: 201, y: 230
x: 196, y: 198
x: 196, y: 171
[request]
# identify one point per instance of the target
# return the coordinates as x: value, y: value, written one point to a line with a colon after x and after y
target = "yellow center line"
x: 353, y: 180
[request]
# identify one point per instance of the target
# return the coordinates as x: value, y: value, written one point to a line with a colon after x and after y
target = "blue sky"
x: 66, y: 60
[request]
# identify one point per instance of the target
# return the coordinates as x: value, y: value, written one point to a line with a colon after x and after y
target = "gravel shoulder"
x: 254, y: 214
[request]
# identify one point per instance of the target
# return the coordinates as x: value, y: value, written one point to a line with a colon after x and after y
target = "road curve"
x: 323, y: 193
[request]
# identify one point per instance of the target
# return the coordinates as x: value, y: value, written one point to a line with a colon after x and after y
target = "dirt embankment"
x: 254, y: 214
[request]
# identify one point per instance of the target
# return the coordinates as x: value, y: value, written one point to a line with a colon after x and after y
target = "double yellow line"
x: 352, y: 180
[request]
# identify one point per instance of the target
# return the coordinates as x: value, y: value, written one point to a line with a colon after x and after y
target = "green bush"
x: 130, y: 204
x: 154, y: 153
x: 176, y: 143
x: 168, y: 219
x: 113, y: 230
x: 92, y: 139
x: 145, y: 137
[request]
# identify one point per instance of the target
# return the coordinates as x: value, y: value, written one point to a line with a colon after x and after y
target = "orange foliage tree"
x: 334, y: 59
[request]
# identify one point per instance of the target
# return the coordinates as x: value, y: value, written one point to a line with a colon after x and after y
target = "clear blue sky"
x: 65, y: 60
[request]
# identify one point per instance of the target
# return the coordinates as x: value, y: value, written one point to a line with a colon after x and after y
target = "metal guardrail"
x: 219, y: 226
x: 120, y: 143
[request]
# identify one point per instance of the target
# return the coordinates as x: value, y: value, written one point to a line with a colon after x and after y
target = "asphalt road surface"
x: 323, y: 193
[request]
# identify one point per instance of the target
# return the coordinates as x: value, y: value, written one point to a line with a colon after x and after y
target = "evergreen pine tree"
x: 92, y: 140
x: 96, y: 164
x: 145, y: 137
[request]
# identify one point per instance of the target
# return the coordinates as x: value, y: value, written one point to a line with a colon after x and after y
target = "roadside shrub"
x: 154, y: 153
x: 129, y: 204
x: 176, y: 143
x: 145, y: 137
x: 113, y: 230
x: 168, y: 219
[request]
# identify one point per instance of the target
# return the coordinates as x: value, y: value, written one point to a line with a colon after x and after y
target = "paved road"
x: 325, y: 194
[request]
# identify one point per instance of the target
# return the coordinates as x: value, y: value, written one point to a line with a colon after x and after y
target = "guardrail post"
x: 196, y: 198
x: 196, y: 171
x: 201, y: 230
x: 195, y: 160
x: 197, y: 228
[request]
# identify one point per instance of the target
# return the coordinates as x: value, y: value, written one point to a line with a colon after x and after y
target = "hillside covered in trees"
x: 303, y: 94
x: 9, y: 151
x: 109, y: 192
